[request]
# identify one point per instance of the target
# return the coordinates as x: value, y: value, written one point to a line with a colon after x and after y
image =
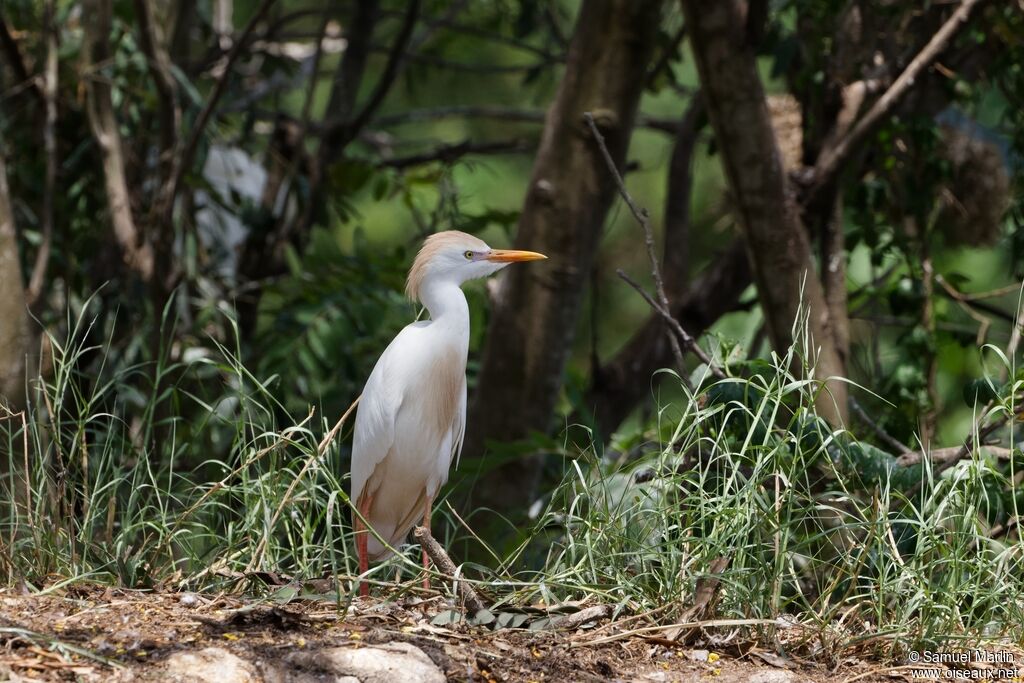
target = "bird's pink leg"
x: 426, y: 561
x: 362, y: 538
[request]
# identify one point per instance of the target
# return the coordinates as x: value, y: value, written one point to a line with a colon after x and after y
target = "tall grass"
x: 796, y: 522
x: 186, y: 471
x: 172, y: 471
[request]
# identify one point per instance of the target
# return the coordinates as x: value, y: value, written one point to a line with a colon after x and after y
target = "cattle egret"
x: 412, y: 414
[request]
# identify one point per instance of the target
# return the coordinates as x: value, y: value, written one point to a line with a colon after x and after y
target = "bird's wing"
x: 409, y: 426
x: 459, y: 425
x: 374, y: 433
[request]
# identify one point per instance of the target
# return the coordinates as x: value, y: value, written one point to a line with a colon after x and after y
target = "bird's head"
x: 457, y: 257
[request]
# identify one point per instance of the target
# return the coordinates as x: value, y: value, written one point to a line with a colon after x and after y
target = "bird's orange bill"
x: 513, y: 256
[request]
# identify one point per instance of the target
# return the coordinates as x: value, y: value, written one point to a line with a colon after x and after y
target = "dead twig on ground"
x: 444, y: 563
x: 571, y: 622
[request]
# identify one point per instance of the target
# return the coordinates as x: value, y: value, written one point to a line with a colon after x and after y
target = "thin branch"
x: 466, y: 29
x: 664, y: 61
x: 883, y: 435
x: 347, y: 131
x: 643, y: 218
x: 952, y: 454
x: 38, y: 277
x: 453, y: 152
x: 968, y: 303
x: 833, y: 159
x: 9, y: 46
x: 688, y: 341
x: 396, y: 56
x: 159, y: 64
x: 662, y: 125
x: 944, y: 458
x: 184, y: 162
x: 445, y: 565
x: 467, y: 67
x: 348, y: 75
x: 675, y: 257
x: 431, y: 26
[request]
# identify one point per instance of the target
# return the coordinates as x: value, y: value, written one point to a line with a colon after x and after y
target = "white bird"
x: 412, y: 414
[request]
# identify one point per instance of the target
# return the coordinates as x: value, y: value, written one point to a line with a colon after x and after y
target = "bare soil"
x: 91, y: 633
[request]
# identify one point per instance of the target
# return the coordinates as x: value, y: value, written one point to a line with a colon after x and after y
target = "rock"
x: 776, y: 677
x: 371, y: 664
x: 210, y: 665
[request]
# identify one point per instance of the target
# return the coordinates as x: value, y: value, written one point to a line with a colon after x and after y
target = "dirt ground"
x: 91, y: 633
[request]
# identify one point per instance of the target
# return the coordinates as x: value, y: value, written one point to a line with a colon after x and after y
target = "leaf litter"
x: 86, y: 632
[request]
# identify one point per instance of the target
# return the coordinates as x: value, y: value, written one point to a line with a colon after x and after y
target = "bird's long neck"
x: 447, y: 307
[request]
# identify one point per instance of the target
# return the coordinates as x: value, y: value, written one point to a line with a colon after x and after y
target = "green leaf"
x: 482, y: 618
x: 447, y: 618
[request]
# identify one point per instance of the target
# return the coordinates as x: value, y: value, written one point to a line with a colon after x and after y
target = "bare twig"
x: 707, y: 623
x: 675, y: 257
x: 944, y: 458
x: 450, y: 23
x: 887, y: 438
x: 343, y: 132
x: 13, y: 56
x: 704, y: 597
x: 571, y: 622
x: 38, y: 277
x: 833, y: 159
x: 969, y: 304
x: 660, y: 124
x: 661, y: 306
x: 951, y: 454
x: 159, y: 64
x: 687, y: 340
x: 662, y: 65
x: 348, y: 75
x: 450, y: 153
x: 444, y: 563
x: 643, y: 218
x: 184, y: 161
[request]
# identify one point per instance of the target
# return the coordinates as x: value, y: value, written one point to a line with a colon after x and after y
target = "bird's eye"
x: 469, y: 255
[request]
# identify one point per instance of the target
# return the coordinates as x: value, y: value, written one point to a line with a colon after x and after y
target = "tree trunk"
x: 777, y: 242
x: 535, y: 318
x: 14, y: 324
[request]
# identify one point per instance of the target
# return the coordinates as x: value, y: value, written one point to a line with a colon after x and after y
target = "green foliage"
x: 323, y: 328
x: 802, y: 524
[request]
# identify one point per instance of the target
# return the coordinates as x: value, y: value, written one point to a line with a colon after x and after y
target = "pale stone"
x: 209, y: 665
x: 371, y: 664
